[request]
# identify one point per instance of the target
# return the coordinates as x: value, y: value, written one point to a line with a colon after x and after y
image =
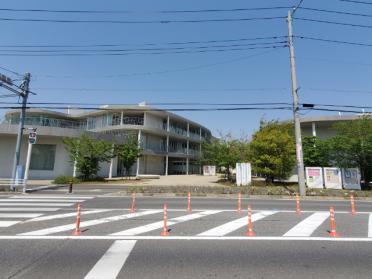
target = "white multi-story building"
x: 171, y: 144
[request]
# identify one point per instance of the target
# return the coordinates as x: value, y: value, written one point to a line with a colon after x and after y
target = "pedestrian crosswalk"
x: 200, y: 223
x: 21, y: 208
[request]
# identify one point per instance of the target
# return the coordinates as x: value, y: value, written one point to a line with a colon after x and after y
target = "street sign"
x: 32, y: 137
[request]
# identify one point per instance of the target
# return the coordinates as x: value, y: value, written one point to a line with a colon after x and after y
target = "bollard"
x: 250, y: 231
x: 77, y: 231
x: 352, y: 204
x: 189, y: 202
x: 70, y: 187
x: 239, y: 207
x: 165, y: 231
x: 133, y: 206
x: 298, y: 206
x: 332, y: 231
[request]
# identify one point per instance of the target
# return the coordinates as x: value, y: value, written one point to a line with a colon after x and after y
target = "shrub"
x: 62, y: 179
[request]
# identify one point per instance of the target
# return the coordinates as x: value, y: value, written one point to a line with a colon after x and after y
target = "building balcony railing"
x: 48, y: 122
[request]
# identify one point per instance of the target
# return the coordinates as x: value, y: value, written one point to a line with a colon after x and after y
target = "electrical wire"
x: 143, y: 21
x: 335, y: 12
x: 149, y: 44
x: 130, y: 12
x: 11, y: 71
x: 333, y: 22
x: 143, y: 49
x: 356, y: 2
x: 333, y: 41
x: 143, y: 53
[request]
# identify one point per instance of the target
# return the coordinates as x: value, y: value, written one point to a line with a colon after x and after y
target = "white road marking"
x: 40, y: 200
x: 33, y: 209
x: 309, y: 225
x: 112, y: 261
x: 236, y: 224
x: 173, y: 221
x: 222, y: 238
x: 60, y: 216
x: 34, y: 204
x: 370, y: 225
x: 90, y: 223
x: 4, y: 224
x: 51, y: 197
x: 19, y: 215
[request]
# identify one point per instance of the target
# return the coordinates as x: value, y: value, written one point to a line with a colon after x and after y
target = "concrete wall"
x: 153, y: 121
x: 62, y: 165
x: 154, y: 165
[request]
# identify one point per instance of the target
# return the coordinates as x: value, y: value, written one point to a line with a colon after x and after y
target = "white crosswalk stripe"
x: 236, y: 224
x: 112, y: 261
x: 41, y: 200
x: 34, y: 206
x: 173, y: 221
x: 91, y: 223
x: 65, y: 215
x: 370, y: 225
x: 309, y: 225
x: 19, y: 215
x: 4, y: 224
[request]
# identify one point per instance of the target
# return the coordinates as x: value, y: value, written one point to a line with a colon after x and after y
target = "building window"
x: 42, y: 157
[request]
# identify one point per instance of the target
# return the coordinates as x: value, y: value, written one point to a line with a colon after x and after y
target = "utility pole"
x: 296, y: 116
x: 24, y: 95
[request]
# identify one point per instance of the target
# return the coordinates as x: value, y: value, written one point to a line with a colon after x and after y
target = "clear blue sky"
x: 264, y: 78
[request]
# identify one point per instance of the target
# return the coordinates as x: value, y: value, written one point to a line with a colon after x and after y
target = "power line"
x: 333, y: 22
x: 340, y: 90
x: 130, y: 12
x: 197, y: 67
x: 335, y: 12
x: 10, y: 71
x: 149, y: 44
x: 334, y: 41
x: 153, y: 109
x: 144, y: 53
x: 143, y: 49
x: 143, y: 21
x: 356, y: 2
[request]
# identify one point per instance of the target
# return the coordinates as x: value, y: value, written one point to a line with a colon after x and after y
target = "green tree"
x: 88, y: 153
x: 316, y: 152
x: 224, y: 152
x: 352, y: 146
x: 272, y: 150
x: 127, y: 153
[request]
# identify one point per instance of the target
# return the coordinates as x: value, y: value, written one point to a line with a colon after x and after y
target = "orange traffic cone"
x: 352, y: 204
x: 239, y: 207
x: 77, y: 231
x: 165, y: 231
x: 250, y: 231
x: 133, y: 207
x: 189, y: 202
x: 332, y: 231
x: 298, y: 206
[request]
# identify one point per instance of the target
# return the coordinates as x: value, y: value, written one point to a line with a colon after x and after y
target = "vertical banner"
x: 314, y: 177
x: 332, y: 178
x: 351, y: 179
x: 209, y: 170
x: 238, y: 174
x: 243, y: 174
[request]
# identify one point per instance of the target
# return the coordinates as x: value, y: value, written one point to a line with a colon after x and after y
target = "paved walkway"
x: 181, y: 180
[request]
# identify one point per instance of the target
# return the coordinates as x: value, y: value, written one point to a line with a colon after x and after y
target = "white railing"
x: 12, y: 183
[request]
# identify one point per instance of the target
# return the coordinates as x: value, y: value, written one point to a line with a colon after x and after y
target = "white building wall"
x: 153, y: 121
x: 62, y: 165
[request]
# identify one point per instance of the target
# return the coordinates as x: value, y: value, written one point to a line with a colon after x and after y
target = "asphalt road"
x: 36, y: 238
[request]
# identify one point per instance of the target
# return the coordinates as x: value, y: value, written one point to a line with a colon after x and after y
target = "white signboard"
x: 351, y: 179
x: 209, y: 170
x: 314, y: 177
x: 332, y: 178
x: 243, y: 174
